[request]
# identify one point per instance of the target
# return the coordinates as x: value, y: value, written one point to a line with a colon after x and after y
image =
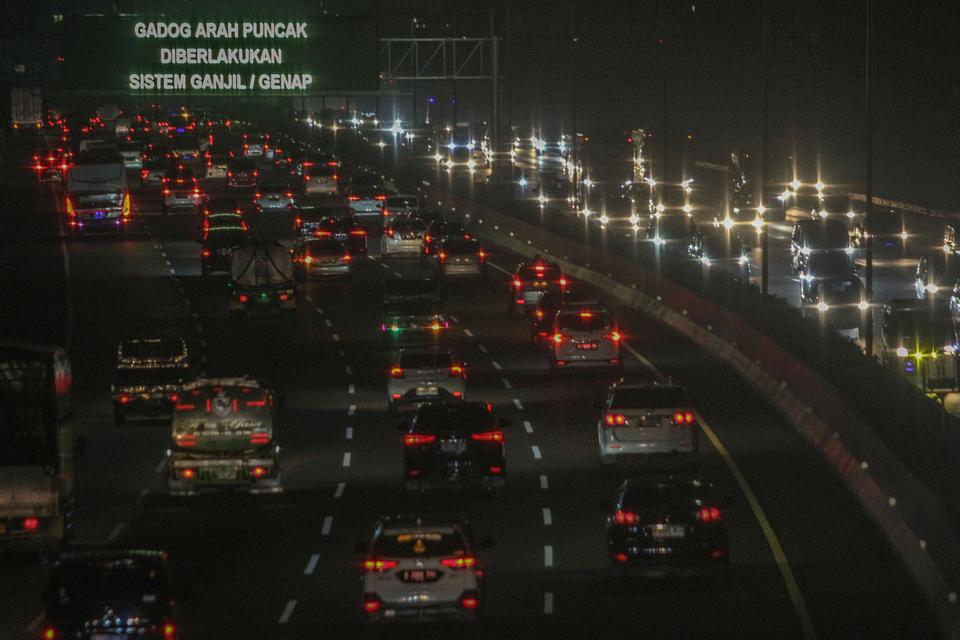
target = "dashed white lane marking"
x: 199, y: 328
x: 319, y: 310
x: 547, y: 517
x: 343, y: 354
x: 547, y: 604
x: 336, y: 338
x: 454, y: 318
x: 518, y: 404
x: 160, y: 466
x: 287, y: 612
x: 327, y: 525
x: 339, y: 491
x: 172, y: 272
x: 117, y: 530
x: 527, y: 426
x: 352, y: 409
x: 309, y: 298
x: 346, y: 459
x: 349, y: 433
x: 203, y: 343
x: 398, y: 274
x: 548, y: 555
x: 544, y: 484
x: 169, y: 264
x: 188, y: 301
x: 468, y: 332
x: 536, y: 452
x: 327, y: 322
x: 351, y: 389
x: 143, y: 494
x: 349, y: 370
x: 496, y: 365
x: 311, y: 564
x: 384, y: 265
x: 506, y: 383
x: 482, y: 348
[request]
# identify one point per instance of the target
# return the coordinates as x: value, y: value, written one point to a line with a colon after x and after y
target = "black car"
x: 347, y: 230
x: 436, y: 233
x: 670, y: 524
x: 222, y: 205
x: 546, y: 310
x: 149, y: 375
x: 309, y: 210
x: 217, y: 245
x: 531, y: 280
x: 454, y: 444
x: 242, y: 173
x: 121, y: 593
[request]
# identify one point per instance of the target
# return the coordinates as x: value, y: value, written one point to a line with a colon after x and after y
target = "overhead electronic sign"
x: 227, y: 56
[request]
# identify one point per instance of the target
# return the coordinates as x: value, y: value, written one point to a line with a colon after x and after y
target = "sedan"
x: 425, y: 375
x: 322, y: 258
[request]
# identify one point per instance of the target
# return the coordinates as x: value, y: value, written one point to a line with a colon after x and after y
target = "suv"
x: 669, y: 524
x: 402, y: 236
x: 425, y: 375
x: 181, y: 188
x: 322, y: 258
x: 829, y: 234
x: 647, y: 421
x: 421, y: 568
x: 436, y: 233
x: 547, y: 307
x: 400, y: 205
x: 345, y: 229
x: 936, y: 272
x: 123, y: 593
x: 149, y: 375
x: 273, y: 197
x: 531, y: 280
x: 242, y: 173
x: 453, y: 444
x: 322, y: 177
x: 310, y: 210
x: 223, y: 438
x: 459, y: 258
x: 584, y: 335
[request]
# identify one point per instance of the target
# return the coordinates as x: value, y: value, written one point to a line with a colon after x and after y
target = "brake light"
x: 358, y: 232
x: 683, y: 417
x: 125, y: 399
x: 390, y: 233
x: 487, y: 436
x: 259, y: 438
x: 169, y: 631
x: 442, y: 256
x: 482, y: 255
x: 456, y: 371
x: 144, y: 174
x: 258, y: 472
x: 332, y: 163
x: 243, y: 298
x: 284, y: 297
x: 49, y: 633
x: 353, y: 197
x: 418, y: 439
x: 380, y: 197
x: 586, y: 314
x: 229, y: 174
x: 256, y: 172
x: 613, y: 419
x: 469, y: 602
x: 30, y: 524
x: 188, y: 473
x: 256, y: 196
x: 346, y: 257
x: 378, y: 564
x: 709, y: 514
x: 166, y: 191
x: 563, y: 282
x: 206, y: 253
x: 185, y: 407
x: 558, y: 338
x: 256, y: 403
x: 615, y: 336
x: 517, y: 283
x: 371, y: 605
x: 539, y: 268
x: 625, y: 517
x: 396, y: 372
x: 186, y: 439
x: 460, y: 562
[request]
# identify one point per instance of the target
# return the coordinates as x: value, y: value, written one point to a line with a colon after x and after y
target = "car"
x: 132, y: 153
x: 321, y: 177
x: 530, y: 280
x: 458, y: 259
x: 345, y: 229
x: 421, y: 568
x: 651, y: 423
x: 888, y: 228
x: 831, y: 289
x: 110, y: 593
x: 550, y: 302
x: 216, y: 161
x: 402, y: 236
x: 920, y: 341
x: 584, y: 335
x: 153, y: 168
x: 51, y: 163
x: 714, y: 246
x: 223, y: 438
x: 671, y: 232
x: 256, y: 144
x: 223, y: 233
x: 935, y: 273
x: 669, y: 525
x: 454, y: 444
x: 148, y: 377
x: 222, y: 205
x: 425, y: 375
x: 399, y: 205
x: 413, y: 311
x: 306, y: 158
x: 310, y: 210
x: 436, y: 233
x: 272, y: 196
x: 367, y: 193
x: 242, y: 173
x: 322, y: 258
x: 181, y: 189
x: 809, y: 236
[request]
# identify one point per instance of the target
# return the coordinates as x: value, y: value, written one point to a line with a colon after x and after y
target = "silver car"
x: 584, y: 335
x: 425, y: 375
x: 420, y: 569
x: 461, y: 259
x: 648, y: 422
x: 273, y: 197
x: 322, y: 258
x: 402, y: 236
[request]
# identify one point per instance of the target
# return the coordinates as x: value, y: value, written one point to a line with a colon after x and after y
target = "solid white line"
x: 496, y: 365
x: 349, y: 370
x: 544, y: 484
x: 527, y: 426
x: 398, y: 274
x: 547, y: 517
x: 169, y: 264
x: 483, y: 348
x: 548, y: 555
x: 536, y: 452
x: 349, y: 433
x: 518, y: 404
x: 327, y: 525
x: 287, y: 612
x: 309, y: 298
x: 352, y: 409
x: 346, y: 459
x: 547, y: 604
x: 339, y: 492
x: 644, y: 361
x: 468, y: 332
x: 117, y: 530
x: 506, y: 383
x: 160, y: 466
x: 336, y: 338
x: 327, y: 322
x: 500, y: 269
x: 351, y: 389
x: 311, y: 564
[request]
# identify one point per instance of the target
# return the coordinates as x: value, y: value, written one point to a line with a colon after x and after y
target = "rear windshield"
x: 828, y: 236
x: 402, y: 202
x: 367, y: 192
x: 221, y: 205
x: 324, y: 248
x: 410, y: 544
x: 445, y: 229
x: 649, y: 398
x: 83, y: 584
x: 242, y: 165
x: 408, y: 225
x: 461, y: 246
x: 226, y: 235
x: 320, y: 171
x: 833, y: 263
x: 584, y: 321
x: 426, y: 360
x: 170, y: 350
x: 466, y: 418
x: 546, y: 273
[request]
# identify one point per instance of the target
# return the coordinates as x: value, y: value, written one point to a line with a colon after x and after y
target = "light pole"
x: 868, y: 217
x: 764, y: 234
x: 663, y: 83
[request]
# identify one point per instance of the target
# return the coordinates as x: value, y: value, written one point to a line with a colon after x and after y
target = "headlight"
x: 902, y: 352
x: 863, y: 305
x: 728, y: 223
x: 903, y: 235
x: 449, y: 164
x: 743, y: 260
x: 471, y: 165
x: 822, y: 306
x: 437, y: 157
x: 705, y: 260
x: 659, y: 241
x: 932, y: 288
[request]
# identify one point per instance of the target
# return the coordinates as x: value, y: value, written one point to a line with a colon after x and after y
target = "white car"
x: 402, y: 236
x: 420, y: 569
x: 425, y: 375
x: 584, y: 335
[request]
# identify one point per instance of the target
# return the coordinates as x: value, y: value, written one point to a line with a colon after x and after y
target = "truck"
x: 97, y: 194
x: 37, y: 456
x: 261, y: 278
x: 26, y: 108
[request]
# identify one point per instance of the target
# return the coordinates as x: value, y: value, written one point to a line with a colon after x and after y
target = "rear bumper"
x: 328, y: 271
x: 462, y: 271
x: 407, y: 393
x: 405, y: 247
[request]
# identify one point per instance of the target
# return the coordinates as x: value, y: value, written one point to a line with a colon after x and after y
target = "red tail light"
x: 259, y: 438
x: 563, y: 282
x: 615, y: 336
x: 628, y: 518
x: 144, y: 174
x: 30, y: 524
x: 460, y: 562
x: 229, y: 174
x: 390, y: 233
x: 332, y: 163
x: 169, y: 631
x: 256, y: 196
x: 243, y: 298
x: 358, y: 232
x: 166, y: 192
x: 456, y: 371
x: 380, y: 197
x: 353, y: 197
x: 256, y: 403
x: 206, y: 253
x: 187, y: 474
x: 539, y: 314
x: 378, y: 564
x: 469, y: 602
x: 49, y: 633
x: 482, y: 255
x: 396, y: 372
x: 371, y: 604
x: 442, y: 256
x: 258, y: 472
x: 517, y: 283
x: 347, y: 257
x: 709, y: 514
x: 185, y: 407
x: 125, y: 399
x: 186, y: 439
x: 256, y: 172
x: 487, y: 436
x: 614, y: 419
x: 418, y: 439
x: 683, y: 417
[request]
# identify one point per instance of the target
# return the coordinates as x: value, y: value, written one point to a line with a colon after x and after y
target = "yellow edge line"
x: 793, y: 589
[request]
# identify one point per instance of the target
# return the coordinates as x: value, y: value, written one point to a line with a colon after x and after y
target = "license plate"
x: 98, y: 214
x: 426, y: 391
x: 666, y: 531
x: 452, y: 446
x: 420, y: 575
x: 587, y: 346
x: 106, y: 636
x: 221, y: 473
x: 224, y: 252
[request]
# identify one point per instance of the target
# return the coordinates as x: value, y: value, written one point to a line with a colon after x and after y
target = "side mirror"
x: 361, y: 545
x: 486, y: 543
x: 79, y: 447
x: 505, y: 423
x: 403, y: 426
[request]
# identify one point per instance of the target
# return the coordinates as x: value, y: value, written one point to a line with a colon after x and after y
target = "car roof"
x: 98, y: 554
x: 421, y: 520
